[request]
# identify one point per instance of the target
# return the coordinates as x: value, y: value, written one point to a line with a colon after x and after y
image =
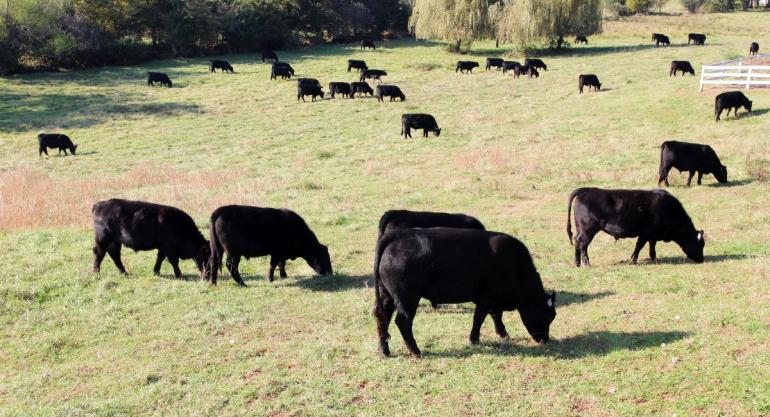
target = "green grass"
x: 673, y: 338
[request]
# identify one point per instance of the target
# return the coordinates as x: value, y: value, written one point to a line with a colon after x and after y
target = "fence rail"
x: 743, y: 75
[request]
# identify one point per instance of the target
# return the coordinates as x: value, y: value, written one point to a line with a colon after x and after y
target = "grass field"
x: 673, y: 338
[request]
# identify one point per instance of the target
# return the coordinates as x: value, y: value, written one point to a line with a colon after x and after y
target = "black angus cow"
x: 356, y: 64
x: 55, y: 140
x: 691, y: 157
x: 683, y: 66
x: 391, y: 91
x: 367, y: 44
x: 525, y: 69
x: 281, y: 69
x: 493, y: 270
x: 372, y: 74
x: 308, y: 81
x: 651, y: 216
x: 494, y: 63
x: 581, y: 39
x: 219, y: 64
x: 535, y: 63
x: 696, y: 38
x: 244, y: 231
x: 466, y: 66
x: 660, y: 38
x: 308, y: 90
x: 158, y: 77
x: 730, y: 100
x: 753, y: 49
x: 422, y: 121
x: 590, y: 80
x: 510, y: 66
x: 362, y: 88
x: 340, y: 88
x: 268, y: 55
x: 145, y: 226
x: 393, y: 220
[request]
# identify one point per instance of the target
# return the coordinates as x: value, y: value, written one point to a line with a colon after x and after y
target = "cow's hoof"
x: 416, y: 354
x: 473, y: 340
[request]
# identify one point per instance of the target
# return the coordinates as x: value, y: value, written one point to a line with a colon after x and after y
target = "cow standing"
x: 494, y: 63
x: 691, y: 157
x: 306, y: 89
x: 361, y: 88
x: 270, y: 56
x: 510, y: 66
x: 367, y: 44
x: 731, y: 100
x: 422, y: 121
x: 340, y: 88
x: 536, y: 63
x: 222, y: 65
x: 158, y: 77
x: 581, y: 39
x: 281, y: 69
x: 683, y: 66
x: 372, y: 74
x: 590, y: 80
x: 466, y: 66
x: 356, y: 64
x: 55, y: 140
x: 696, y: 38
x: 393, y: 220
x: 660, y: 38
x: 753, y: 48
x: 391, y: 91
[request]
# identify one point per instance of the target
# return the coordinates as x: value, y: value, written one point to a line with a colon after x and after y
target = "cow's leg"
x: 383, y: 312
x: 653, y: 256
x: 639, y: 245
x: 584, y: 239
x: 404, y: 320
x: 232, y: 266
x: 158, y: 261
x: 114, y: 252
x: 174, y: 261
x: 577, y: 253
x: 663, y: 175
x: 499, y: 325
x: 689, y: 177
x: 99, y: 253
x: 700, y: 177
x: 478, y: 319
x: 282, y: 268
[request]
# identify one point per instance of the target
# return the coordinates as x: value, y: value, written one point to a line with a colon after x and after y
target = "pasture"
x: 672, y: 338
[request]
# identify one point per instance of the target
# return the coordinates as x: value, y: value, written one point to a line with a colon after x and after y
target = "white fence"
x: 741, y: 75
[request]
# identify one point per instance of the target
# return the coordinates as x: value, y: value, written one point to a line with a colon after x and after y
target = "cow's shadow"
x: 674, y: 260
x: 565, y: 298
x: 332, y: 283
x: 737, y: 183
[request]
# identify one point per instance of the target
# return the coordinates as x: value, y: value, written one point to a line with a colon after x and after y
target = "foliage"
x: 527, y: 21
x: 718, y: 6
x: 692, y: 6
x: 457, y: 21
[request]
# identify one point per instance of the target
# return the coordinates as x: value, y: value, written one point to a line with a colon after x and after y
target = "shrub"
x: 692, y: 6
x: 718, y: 6
x: 639, y: 6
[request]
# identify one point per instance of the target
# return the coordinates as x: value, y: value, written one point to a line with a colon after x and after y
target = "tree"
x: 527, y: 21
x: 458, y: 21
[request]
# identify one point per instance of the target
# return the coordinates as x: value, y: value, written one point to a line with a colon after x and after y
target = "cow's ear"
x: 700, y: 235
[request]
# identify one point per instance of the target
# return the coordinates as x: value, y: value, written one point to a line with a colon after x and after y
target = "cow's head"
x: 599, y: 86
x: 320, y: 261
x: 693, y: 247
x: 73, y: 148
x: 721, y: 174
x: 538, y: 315
x: 202, y: 258
x: 437, y: 131
x: 168, y: 82
x: 748, y: 106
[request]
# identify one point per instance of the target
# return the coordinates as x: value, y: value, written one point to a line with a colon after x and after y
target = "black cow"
x: 590, y: 80
x: 55, y: 140
x: 372, y: 74
x: 367, y: 44
x: 683, y: 66
x: 268, y: 55
x: 651, y: 216
x: 696, y: 38
x: 281, y: 69
x: 581, y: 39
x: 730, y: 100
x: 391, y: 91
x: 308, y: 90
x: 466, y: 66
x: 422, y: 121
x: 525, y: 69
x: 393, y: 220
x: 753, y: 49
x: 219, y: 64
x: 282, y: 234
x: 493, y: 270
x: 691, y: 157
x: 340, y: 88
x: 308, y: 81
x: 494, y: 63
x: 145, y: 226
x: 510, y: 66
x: 535, y: 63
x: 158, y: 77
x: 357, y: 64
x: 659, y: 38
x: 362, y: 88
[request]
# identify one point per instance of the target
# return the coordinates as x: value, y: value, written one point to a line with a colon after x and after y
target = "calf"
x: 393, y: 220
x: 357, y: 64
x: 692, y: 157
x: 753, y: 49
x: 510, y: 66
x: 422, y: 121
x: 222, y: 65
x: 651, y: 216
x: 590, y: 80
x: 696, y: 38
x: 308, y: 90
x: 525, y: 69
x: 145, y: 226
x: 466, y: 66
x: 340, y: 88
x: 730, y: 100
x: 55, y: 140
x: 391, y: 91
x: 372, y: 74
x: 367, y: 44
x: 494, y: 63
x: 493, y: 270
x: 158, y: 77
x: 244, y: 231
x: 362, y: 88
x: 535, y: 63
x: 581, y: 39
x: 659, y: 39
x: 683, y: 66
x: 268, y: 55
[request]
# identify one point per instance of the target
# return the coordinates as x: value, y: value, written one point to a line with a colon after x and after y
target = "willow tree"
x: 527, y: 21
x: 456, y: 21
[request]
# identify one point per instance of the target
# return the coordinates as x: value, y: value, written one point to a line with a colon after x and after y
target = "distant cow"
x: 308, y: 81
x: 367, y: 44
x: 55, y: 140
x: 281, y: 69
x: 466, y: 66
x: 659, y: 38
x: 361, y: 88
x: 525, y: 69
x: 581, y: 39
x: 493, y: 270
x: 143, y: 226
x: 683, y: 66
x: 651, y: 216
x: 422, y: 121
x: 753, y: 49
x: 731, y: 100
x: 494, y: 63
x: 357, y: 64
x: 158, y: 77
x: 222, y: 65
x: 691, y: 157
x: 536, y: 63
x: 590, y: 80
x: 510, y: 66
x: 342, y: 89
x: 372, y: 74
x: 391, y: 91
x: 244, y: 231
x: 268, y: 55
x: 393, y: 220
x: 696, y: 38
x: 308, y: 90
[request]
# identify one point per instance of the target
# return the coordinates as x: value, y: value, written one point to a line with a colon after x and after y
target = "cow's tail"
x: 382, y: 243
x: 217, y: 251
x: 569, y: 213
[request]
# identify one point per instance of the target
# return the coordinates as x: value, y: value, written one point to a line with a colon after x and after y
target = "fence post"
x: 702, y: 73
x: 748, y: 79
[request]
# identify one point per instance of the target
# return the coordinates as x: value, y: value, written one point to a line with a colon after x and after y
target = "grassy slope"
x: 672, y: 338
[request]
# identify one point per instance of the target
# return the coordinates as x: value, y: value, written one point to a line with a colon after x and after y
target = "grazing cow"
x: 753, y: 49
x: 590, y: 80
x: 222, y: 65
x: 659, y: 38
x: 145, y: 226
x: 244, y: 231
x: 55, y: 140
x: 391, y: 91
x: 362, y: 88
x: 510, y: 66
x: 340, y: 88
x: 372, y: 74
x: 493, y: 270
x: 367, y: 44
x: 308, y: 90
x: 581, y: 39
x: 731, y: 100
x: 683, y: 66
x: 280, y: 71
x: 696, y: 38
x: 651, y: 216
x: 357, y: 64
x: 393, y: 220
x: 494, y: 63
x: 308, y: 81
x: 466, y: 66
x: 525, y: 69
x: 422, y: 121
x: 158, y: 77
x: 691, y: 157
x: 535, y: 63
x: 268, y: 55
